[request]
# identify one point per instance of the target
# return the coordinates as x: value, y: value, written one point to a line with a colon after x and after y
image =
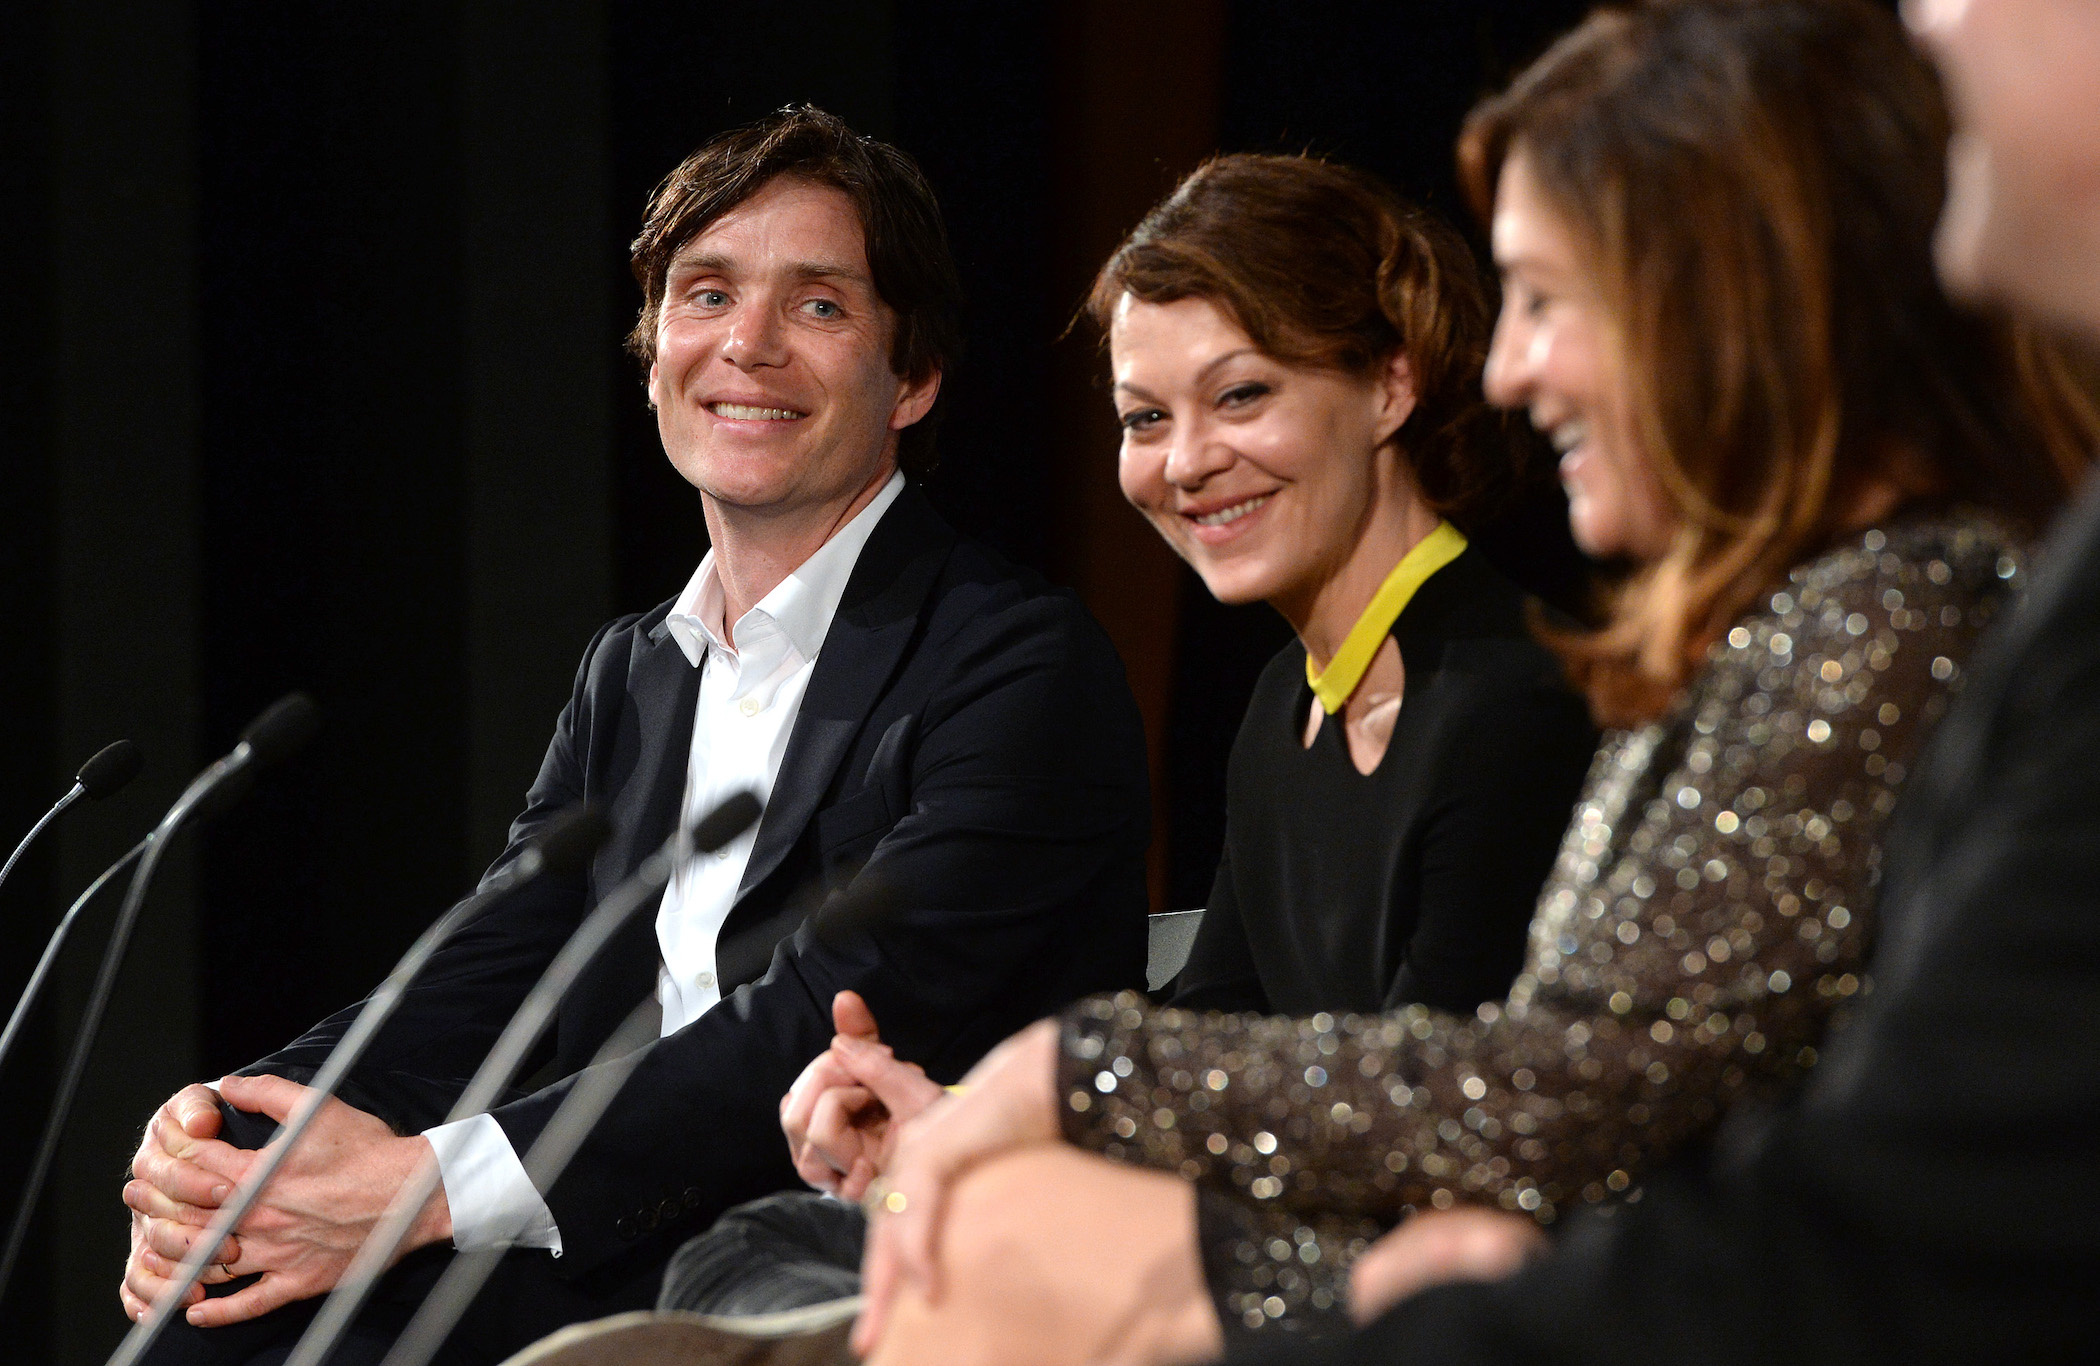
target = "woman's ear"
x: 1396, y: 396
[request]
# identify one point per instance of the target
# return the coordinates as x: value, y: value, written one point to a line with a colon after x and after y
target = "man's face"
x: 2022, y: 221
x: 772, y: 381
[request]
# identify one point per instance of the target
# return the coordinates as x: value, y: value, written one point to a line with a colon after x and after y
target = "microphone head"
x: 568, y: 841
x: 282, y: 730
x: 718, y: 827
x: 111, y: 770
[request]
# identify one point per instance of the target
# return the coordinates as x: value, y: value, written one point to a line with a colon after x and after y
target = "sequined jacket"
x: 1709, y: 910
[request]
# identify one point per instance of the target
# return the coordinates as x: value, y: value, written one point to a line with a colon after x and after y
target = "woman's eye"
x: 1241, y: 394
x: 1140, y: 419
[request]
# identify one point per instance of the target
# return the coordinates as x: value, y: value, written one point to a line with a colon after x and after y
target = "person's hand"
x: 1438, y: 1246
x: 189, y: 1194
x: 843, y: 1113
x: 1009, y: 1100
x: 1014, y: 1292
x: 316, y: 1212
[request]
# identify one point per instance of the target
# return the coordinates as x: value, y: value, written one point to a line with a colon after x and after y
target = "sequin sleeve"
x: 1709, y: 909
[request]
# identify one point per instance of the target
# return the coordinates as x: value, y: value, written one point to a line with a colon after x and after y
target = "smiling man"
x: 913, y: 710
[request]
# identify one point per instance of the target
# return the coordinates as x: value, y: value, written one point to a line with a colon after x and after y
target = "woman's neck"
x: 1323, y: 614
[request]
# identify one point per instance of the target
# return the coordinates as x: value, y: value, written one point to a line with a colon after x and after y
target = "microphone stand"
x: 565, y: 846
x: 51, y: 948
x: 714, y: 830
x: 276, y: 734
x: 594, y: 1091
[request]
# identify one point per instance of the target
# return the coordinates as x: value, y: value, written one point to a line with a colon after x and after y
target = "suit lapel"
x: 875, y: 622
x: 663, y: 689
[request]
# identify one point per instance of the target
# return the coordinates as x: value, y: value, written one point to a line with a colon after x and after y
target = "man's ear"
x: 915, y: 400
x: 651, y: 391
x: 1396, y: 396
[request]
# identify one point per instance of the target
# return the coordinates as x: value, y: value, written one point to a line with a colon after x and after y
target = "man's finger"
x: 146, y: 1288
x: 143, y: 1197
x: 275, y: 1290
x: 272, y: 1096
x: 174, y: 1241
x: 195, y: 1109
x: 185, y: 1178
x: 850, y: 1016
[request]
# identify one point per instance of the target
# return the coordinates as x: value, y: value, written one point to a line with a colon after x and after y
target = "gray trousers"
x: 787, y: 1251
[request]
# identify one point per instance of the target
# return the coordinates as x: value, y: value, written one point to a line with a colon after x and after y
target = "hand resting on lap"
x: 301, y: 1235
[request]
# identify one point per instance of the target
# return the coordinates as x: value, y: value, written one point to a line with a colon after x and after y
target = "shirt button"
x: 707, y: 979
x: 749, y: 706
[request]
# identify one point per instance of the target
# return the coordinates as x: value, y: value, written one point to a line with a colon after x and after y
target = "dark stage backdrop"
x: 311, y: 378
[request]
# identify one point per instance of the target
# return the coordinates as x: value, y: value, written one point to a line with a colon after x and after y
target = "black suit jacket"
x: 1927, y: 1195
x: 967, y: 737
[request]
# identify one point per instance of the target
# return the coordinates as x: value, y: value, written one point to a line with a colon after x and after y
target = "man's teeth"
x: 1231, y: 514
x: 1568, y: 435
x: 744, y: 413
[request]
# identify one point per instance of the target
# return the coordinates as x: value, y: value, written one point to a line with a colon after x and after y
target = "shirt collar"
x: 800, y: 606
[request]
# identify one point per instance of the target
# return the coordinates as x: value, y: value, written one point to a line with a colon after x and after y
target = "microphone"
x: 113, y: 766
x: 565, y: 846
x: 272, y: 737
x: 861, y: 905
x: 717, y: 828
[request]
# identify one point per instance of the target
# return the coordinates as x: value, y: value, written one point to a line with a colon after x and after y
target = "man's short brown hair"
x: 907, y: 245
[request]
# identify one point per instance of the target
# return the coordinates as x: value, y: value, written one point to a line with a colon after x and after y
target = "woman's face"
x: 1557, y: 356
x: 1261, y: 475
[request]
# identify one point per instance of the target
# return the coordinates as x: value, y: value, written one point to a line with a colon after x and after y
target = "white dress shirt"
x: 750, y: 694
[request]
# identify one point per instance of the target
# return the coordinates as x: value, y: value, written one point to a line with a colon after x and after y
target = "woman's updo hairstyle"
x: 1325, y: 266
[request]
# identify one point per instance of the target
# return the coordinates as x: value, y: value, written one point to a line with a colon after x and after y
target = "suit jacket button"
x: 646, y: 1220
x: 669, y: 1210
x: 692, y: 1197
x: 625, y: 1228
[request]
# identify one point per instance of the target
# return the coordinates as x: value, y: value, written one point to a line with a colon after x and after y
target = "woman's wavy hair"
x: 1757, y: 183
x: 1322, y: 265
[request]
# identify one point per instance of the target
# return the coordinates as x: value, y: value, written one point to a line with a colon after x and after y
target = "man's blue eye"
x: 824, y: 308
x: 712, y: 298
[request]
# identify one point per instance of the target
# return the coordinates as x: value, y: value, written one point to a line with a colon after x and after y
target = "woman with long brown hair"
x: 1714, y: 220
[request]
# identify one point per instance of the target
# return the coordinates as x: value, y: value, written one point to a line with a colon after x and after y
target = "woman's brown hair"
x: 1757, y: 183
x: 1326, y: 266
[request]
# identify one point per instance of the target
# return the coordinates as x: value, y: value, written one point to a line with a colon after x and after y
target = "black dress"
x: 1347, y: 891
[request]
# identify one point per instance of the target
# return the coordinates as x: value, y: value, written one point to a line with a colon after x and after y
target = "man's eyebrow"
x: 710, y: 263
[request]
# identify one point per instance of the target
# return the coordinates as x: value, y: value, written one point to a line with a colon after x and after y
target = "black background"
x: 310, y: 377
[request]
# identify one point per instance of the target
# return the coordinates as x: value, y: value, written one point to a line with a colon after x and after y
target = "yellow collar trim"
x: 1334, y: 684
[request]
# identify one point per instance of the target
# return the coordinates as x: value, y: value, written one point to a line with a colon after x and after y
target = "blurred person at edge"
x: 1297, y: 371
x: 1715, y: 224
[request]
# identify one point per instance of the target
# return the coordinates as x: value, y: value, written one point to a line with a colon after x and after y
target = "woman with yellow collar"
x: 1295, y: 357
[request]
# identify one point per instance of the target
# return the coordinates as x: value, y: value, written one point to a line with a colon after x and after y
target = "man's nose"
x: 757, y: 338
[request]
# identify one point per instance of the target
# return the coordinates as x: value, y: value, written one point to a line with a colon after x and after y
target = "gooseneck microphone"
x: 565, y: 846
x: 717, y: 828
x: 283, y: 728
x: 113, y: 766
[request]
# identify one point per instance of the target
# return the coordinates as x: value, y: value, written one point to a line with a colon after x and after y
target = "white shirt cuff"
x: 493, y: 1202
